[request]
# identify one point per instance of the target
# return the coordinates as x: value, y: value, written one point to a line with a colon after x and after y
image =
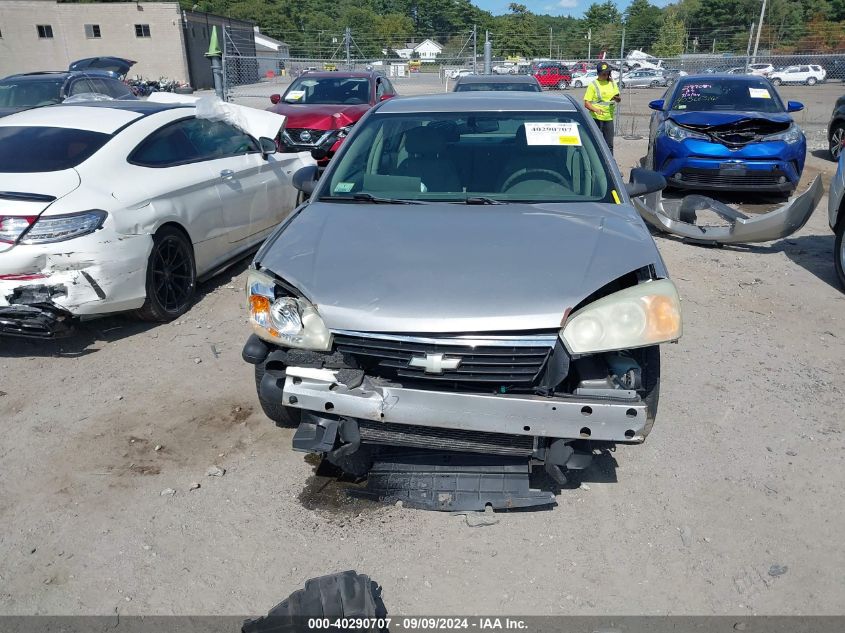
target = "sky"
x: 575, y: 8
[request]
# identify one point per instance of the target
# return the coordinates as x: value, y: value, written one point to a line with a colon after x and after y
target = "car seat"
x: 427, y: 160
x: 526, y: 158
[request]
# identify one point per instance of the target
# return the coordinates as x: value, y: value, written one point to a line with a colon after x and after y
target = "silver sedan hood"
x: 452, y: 267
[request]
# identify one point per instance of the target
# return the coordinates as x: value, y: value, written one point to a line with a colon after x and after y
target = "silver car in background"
x: 468, y: 276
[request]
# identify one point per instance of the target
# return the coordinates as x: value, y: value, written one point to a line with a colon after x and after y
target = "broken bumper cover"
x: 680, y: 220
x: 319, y: 390
x: 43, y: 286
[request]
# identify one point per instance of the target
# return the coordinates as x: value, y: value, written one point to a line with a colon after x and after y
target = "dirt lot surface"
x: 743, y: 471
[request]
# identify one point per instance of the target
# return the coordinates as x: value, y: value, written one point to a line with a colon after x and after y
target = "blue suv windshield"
x: 712, y: 95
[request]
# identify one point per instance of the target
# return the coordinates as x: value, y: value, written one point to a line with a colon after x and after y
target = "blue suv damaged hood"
x: 705, y: 119
x: 442, y: 267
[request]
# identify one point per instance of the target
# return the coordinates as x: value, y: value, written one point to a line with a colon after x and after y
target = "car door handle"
x: 227, y: 174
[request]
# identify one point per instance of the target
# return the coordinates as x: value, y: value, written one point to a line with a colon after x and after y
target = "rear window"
x: 30, y: 93
x: 37, y: 149
x: 497, y: 86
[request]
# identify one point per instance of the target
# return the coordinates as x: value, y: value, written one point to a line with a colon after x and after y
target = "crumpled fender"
x: 742, y: 229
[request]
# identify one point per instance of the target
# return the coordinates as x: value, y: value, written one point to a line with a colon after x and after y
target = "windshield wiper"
x: 368, y: 197
x: 482, y: 200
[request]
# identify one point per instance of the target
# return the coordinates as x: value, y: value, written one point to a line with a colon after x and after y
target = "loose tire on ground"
x: 285, y: 417
x: 346, y: 595
x: 171, y: 277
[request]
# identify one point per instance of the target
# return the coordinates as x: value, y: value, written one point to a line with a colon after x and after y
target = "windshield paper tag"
x: 759, y: 93
x: 294, y: 95
x: 343, y: 187
x: 552, y: 134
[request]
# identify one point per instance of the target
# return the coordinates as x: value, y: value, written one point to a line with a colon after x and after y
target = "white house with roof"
x: 427, y: 50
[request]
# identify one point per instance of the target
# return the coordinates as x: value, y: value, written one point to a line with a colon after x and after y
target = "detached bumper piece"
x: 34, y: 321
x: 448, y: 481
x: 741, y: 229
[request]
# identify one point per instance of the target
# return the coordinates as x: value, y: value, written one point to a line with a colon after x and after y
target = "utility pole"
x: 474, y: 49
x: 748, y: 49
x: 488, y: 54
x: 622, y: 48
x: 347, y: 42
x: 759, y: 28
x: 550, y: 43
x: 589, y: 43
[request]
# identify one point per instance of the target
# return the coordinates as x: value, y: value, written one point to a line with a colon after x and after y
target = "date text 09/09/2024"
x: 413, y: 624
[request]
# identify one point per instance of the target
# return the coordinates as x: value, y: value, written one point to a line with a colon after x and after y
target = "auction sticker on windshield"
x: 552, y: 134
x: 294, y: 95
x: 759, y: 93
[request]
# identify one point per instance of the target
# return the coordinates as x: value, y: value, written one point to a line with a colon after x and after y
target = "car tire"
x: 282, y: 416
x: 577, y: 84
x: 811, y: 81
x: 839, y: 251
x: 654, y: 84
x: 562, y: 85
x: 777, y: 81
x: 171, y: 280
x: 835, y: 138
x: 347, y: 595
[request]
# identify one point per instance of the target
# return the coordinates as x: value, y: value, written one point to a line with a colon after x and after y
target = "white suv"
x: 809, y: 75
x: 764, y: 70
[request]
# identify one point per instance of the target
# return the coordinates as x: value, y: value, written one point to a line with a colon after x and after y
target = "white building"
x: 427, y: 50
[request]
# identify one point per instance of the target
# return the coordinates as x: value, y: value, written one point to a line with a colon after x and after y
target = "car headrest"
x: 425, y: 140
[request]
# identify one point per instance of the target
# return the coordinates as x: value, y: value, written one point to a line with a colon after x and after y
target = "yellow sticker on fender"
x: 552, y: 134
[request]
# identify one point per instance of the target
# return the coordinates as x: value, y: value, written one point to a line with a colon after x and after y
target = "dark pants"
x: 606, y: 128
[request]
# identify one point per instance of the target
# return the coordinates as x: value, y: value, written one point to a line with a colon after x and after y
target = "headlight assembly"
x: 642, y: 315
x: 282, y: 319
x: 678, y: 133
x: 792, y: 135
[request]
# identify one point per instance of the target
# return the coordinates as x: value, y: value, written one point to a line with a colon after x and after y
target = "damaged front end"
x: 681, y: 218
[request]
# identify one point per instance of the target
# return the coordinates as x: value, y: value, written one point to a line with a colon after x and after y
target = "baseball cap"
x: 602, y: 67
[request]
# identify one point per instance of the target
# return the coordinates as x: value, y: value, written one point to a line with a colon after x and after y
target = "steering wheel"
x: 522, y: 174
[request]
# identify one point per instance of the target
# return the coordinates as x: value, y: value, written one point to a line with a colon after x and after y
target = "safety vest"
x: 609, y: 105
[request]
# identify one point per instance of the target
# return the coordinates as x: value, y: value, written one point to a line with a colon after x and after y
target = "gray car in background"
x: 468, y: 276
x: 501, y: 83
x: 643, y: 79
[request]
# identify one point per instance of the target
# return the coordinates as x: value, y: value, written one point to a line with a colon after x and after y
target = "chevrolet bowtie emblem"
x: 434, y: 363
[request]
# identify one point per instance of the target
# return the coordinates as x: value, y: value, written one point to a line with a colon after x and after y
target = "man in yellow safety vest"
x: 600, y: 99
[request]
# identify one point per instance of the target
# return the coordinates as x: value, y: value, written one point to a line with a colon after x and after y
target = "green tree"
x: 605, y: 25
x: 670, y: 41
x: 642, y: 24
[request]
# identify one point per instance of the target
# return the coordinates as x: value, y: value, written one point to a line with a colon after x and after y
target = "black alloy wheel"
x: 171, y: 277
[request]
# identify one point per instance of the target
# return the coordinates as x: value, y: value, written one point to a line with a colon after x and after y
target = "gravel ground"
x: 743, y: 471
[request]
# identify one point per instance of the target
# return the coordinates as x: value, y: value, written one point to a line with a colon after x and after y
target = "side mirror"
x: 275, y: 98
x: 644, y: 181
x: 267, y: 145
x: 385, y: 97
x: 794, y: 106
x: 305, y: 179
x: 657, y: 104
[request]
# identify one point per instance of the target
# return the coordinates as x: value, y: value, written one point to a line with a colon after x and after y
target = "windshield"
x: 38, y: 149
x: 510, y: 156
x: 496, y: 85
x: 346, y: 90
x: 28, y: 93
x: 725, y: 94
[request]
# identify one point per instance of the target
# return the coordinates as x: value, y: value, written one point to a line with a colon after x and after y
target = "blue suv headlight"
x: 792, y: 135
x: 678, y: 133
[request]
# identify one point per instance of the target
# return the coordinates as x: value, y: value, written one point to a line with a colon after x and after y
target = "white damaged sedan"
x: 118, y: 206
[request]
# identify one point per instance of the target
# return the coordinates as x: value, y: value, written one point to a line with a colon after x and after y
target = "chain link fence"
x: 252, y: 79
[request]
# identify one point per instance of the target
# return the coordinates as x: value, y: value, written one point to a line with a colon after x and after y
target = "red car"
x: 553, y: 76
x: 324, y: 105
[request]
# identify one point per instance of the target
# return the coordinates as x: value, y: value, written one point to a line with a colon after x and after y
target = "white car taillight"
x: 57, y: 228
x: 12, y: 226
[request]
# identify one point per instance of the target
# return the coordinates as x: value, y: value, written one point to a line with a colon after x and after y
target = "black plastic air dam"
x: 449, y: 481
